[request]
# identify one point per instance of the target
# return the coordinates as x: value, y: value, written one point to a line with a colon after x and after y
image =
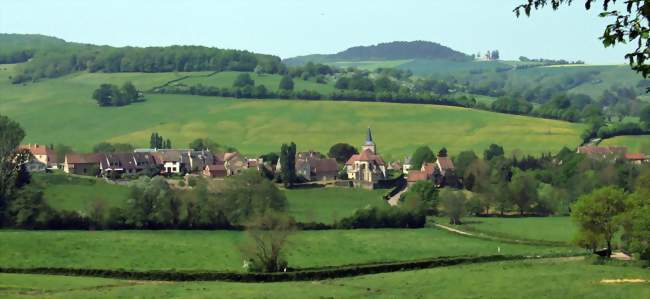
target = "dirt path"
x: 393, y: 201
x: 453, y: 230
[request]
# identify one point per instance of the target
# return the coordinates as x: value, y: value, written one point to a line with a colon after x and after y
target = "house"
x: 406, y: 166
x: 367, y: 166
x: 116, y: 164
x: 441, y: 173
x: 317, y: 169
x: 395, y: 165
x: 602, y: 152
x: 197, y: 160
x: 144, y: 161
x: 42, y: 154
x: 215, y: 170
x: 636, y: 158
x: 83, y: 164
x: 233, y: 162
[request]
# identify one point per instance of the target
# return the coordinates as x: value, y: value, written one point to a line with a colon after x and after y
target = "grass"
x: 555, y: 278
x: 64, y: 192
x: 217, y: 250
x: 327, y: 205
x: 61, y: 111
x: 633, y: 143
x: 226, y: 79
x: 553, y: 229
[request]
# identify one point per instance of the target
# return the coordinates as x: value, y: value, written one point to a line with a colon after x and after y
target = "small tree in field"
x: 453, y: 203
x: 599, y: 216
x: 266, y: 242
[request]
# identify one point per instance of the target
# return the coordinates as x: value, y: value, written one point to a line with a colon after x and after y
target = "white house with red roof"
x: 367, y: 166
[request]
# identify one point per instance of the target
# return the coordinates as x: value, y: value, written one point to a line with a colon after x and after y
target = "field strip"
x: 297, y: 275
x: 479, y: 234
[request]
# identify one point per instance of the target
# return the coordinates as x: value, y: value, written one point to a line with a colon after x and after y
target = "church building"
x: 367, y: 166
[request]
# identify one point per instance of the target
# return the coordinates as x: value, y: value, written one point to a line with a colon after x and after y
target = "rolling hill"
x: 61, y: 111
x: 398, y: 50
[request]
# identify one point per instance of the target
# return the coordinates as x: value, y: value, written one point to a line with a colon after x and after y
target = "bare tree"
x: 267, y: 237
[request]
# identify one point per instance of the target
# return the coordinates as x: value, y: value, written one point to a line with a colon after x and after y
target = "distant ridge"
x: 397, y: 50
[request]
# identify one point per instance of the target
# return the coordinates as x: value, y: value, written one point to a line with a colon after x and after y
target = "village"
x: 366, y: 169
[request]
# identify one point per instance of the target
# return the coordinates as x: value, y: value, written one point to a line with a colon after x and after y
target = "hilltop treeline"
x: 50, y: 60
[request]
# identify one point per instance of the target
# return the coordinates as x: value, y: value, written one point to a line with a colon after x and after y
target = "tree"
x: 427, y: 193
x: 523, y: 189
x: 243, y: 80
x: 422, y: 155
x: 61, y: 151
x: 104, y: 95
x: 342, y: 152
x: 629, y: 25
x: 453, y: 204
x: 168, y: 144
x: 130, y: 92
x: 11, y: 134
x: 286, y: 83
x: 645, y: 117
x: 493, y: 151
x: 463, y: 161
x: 267, y: 237
x: 152, y: 204
x: 637, y: 220
x: 271, y: 158
x: 200, y: 144
x: 598, y: 216
x: 97, y: 213
x: 288, y: 162
x: 249, y: 195
x: 103, y: 147
x: 29, y: 210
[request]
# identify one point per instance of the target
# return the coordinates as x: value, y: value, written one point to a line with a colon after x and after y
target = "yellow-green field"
x: 633, y: 143
x: 62, y: 111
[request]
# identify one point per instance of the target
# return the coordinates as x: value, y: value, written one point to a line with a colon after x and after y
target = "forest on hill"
x: 387, y: 51
x: 47, y: 57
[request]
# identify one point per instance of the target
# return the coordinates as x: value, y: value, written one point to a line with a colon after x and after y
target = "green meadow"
x: 61, y: 111
x: 218, y: 250
x: 327, y: 205
x: 65, y: 192
x: 553, y: 229
x: 554, y: 278
x: 633, y: 143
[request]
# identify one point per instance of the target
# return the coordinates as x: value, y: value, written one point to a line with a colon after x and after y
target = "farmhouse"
x: 367, y: 166
x: 636, y: 158
x: 601, y: 152
x: 41, y: 155
x: 215, y: 170
x: 441, y: 173
x: 83, y: 164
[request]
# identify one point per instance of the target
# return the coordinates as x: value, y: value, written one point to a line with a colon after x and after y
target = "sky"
x: 289, y: 28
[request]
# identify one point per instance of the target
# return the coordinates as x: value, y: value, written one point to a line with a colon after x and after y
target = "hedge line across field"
x: 291, y: 275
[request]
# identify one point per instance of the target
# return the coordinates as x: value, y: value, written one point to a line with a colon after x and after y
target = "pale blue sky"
x: 296, y: 27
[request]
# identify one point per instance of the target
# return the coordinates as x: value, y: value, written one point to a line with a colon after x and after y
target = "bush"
x: 393, y: 217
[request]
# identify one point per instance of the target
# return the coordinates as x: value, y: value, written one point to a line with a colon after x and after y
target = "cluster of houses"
x: 163, y: 161
x: 365, y: 169
x: 613, y: 153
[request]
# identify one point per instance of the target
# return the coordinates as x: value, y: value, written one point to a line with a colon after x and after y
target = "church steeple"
x: 369, y: 144
x: 369, y: 137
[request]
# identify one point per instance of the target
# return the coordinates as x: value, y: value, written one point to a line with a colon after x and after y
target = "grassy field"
x: 324, y: 205
x: 62, y: 111
x: 522, y: 279
x: 633, y: 143
x: 217, y: 250
x: 555, y: 229
x: 65, y: 192
x: 226, y: 79
x: 327, y: 205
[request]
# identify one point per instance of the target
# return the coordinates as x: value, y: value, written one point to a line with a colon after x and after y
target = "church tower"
x: 370, y: 144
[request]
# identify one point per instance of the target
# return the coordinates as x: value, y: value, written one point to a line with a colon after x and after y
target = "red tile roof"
x: 416, y: 176
x: 636, y: 157
x: 429, y: 168
x: 601, y: 150
x: 84, y: 158
x: 366, y: 156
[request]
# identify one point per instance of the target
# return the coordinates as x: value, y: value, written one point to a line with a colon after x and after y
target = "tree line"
x: 71, y: 57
